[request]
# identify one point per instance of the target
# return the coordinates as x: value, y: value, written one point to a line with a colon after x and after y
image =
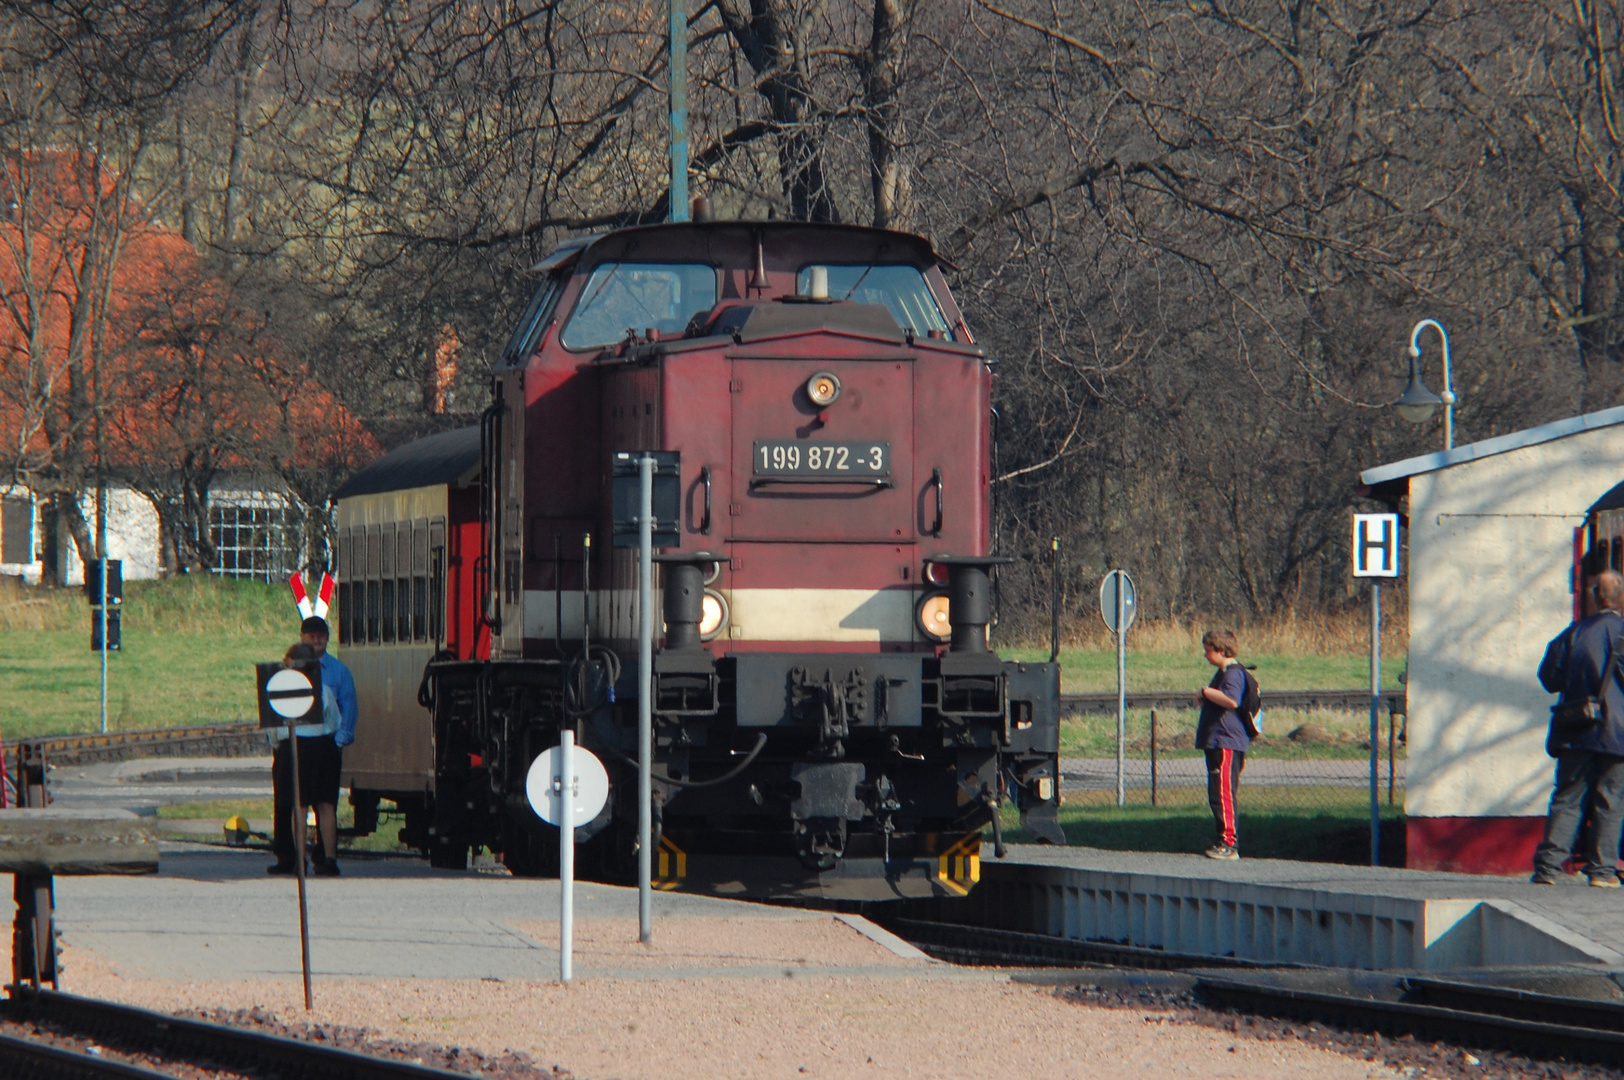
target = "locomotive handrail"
x: 936, y: 479
x: 865, y: 481
x: 705, y: 475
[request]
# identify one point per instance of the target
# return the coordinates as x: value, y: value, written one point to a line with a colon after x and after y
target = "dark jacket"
x: 1220, y: 728
x: 1573, y: 666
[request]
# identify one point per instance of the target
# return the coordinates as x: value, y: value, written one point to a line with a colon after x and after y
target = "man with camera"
x: 1587, y: 740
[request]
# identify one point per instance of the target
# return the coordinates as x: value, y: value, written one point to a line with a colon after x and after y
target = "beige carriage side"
x: 385, y: 539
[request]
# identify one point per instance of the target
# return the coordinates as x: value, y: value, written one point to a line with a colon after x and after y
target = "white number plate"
x: 822, y: 459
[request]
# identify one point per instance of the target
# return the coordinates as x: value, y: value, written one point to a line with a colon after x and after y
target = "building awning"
x: 1500, y: 444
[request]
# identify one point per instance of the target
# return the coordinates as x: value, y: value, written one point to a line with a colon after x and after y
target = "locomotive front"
x: 829, y: 719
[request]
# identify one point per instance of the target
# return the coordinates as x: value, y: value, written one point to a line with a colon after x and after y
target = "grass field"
x: 1338, y: 734
x: 260, y: 811
x: 189, y: 646
x: 188, y: 655
x: 1093, y: 670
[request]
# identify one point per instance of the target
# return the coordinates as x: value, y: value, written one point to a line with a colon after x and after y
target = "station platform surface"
x: 212, y: 914
x: 728, y: 988
x: 1275, y: 910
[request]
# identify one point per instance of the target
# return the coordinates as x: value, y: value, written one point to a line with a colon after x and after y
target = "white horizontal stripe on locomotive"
x: 846, y: 615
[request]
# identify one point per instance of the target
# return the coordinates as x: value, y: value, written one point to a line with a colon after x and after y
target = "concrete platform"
x: 1278, y: 911
x: 146, y: 784
x: 212, y: 914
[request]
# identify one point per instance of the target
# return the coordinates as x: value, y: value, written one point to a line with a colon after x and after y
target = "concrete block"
x: 73, y: 842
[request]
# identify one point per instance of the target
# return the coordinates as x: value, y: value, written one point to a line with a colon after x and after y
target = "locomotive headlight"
x: 823, y: 388
x: 713, y: 615
x: 932, y: 614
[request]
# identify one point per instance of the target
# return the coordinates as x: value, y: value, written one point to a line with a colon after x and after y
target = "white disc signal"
x: 544, y: 787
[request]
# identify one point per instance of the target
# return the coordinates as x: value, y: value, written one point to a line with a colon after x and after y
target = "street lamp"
x: 1417, y: 402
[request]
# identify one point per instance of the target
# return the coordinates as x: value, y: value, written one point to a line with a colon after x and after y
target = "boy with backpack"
x: 1224, y: 733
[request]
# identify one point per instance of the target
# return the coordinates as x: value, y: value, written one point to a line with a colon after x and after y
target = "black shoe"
x: 326, y: 868
x: 282, y: 869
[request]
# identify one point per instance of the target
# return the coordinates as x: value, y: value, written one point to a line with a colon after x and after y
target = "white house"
x: 256, y: 534
x: 1491, y: 529
x: 132, y: 535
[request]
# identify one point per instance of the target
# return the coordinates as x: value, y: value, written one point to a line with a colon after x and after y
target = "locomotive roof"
x: 881, y: 243
x: 451, y: 457
x: 1613, y: 500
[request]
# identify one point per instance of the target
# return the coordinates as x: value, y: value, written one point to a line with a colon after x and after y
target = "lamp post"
x: 1417, y: 402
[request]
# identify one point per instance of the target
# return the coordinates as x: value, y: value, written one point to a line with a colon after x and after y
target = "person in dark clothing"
x: 1579, y: 664
x: 1221, y: 735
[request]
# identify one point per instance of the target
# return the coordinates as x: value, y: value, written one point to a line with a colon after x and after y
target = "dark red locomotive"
x: 829, y: 719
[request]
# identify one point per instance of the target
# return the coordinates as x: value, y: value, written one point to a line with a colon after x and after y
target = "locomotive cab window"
x: 536, y: 316
x: 901, y: 289
x: 637, y: 296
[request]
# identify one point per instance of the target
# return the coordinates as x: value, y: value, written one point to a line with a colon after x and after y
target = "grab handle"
x: 705, y: 475
x: 936, y: 480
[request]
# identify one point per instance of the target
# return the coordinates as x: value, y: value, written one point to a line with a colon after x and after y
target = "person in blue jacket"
x: 1580, y: 664
x: 321, y: 761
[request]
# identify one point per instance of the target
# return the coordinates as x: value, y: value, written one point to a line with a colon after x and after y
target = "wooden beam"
x: 77, y: 842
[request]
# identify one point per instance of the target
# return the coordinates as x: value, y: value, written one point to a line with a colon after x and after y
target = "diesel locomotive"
x: 830, y: 721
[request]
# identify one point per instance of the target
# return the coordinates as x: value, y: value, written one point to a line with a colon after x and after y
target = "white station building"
x: 1492, y: 535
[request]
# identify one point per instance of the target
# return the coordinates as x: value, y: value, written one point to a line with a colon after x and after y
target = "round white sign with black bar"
x: 290, y: 693
x: 545, y: 792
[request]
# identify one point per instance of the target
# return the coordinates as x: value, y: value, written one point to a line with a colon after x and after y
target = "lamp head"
x: 1417, y: 402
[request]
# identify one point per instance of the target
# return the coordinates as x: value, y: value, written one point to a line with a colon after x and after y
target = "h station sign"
x: 1375, y: 545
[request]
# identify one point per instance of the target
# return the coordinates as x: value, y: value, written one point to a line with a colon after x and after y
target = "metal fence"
x: 1313, y: 756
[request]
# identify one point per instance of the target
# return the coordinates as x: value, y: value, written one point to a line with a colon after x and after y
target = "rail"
x: 1392, y: 701
x: 1467, y: 1014
x: 1439, y: 1009
x: 140, y: 1031
x: 212, y: 740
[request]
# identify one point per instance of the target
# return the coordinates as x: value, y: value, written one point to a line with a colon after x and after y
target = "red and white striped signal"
x: 308, y: 607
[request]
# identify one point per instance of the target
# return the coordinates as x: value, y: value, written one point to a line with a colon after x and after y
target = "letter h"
x: 1384, y: 545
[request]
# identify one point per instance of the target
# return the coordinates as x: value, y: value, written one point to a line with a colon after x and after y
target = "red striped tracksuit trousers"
x: 1223, y: 782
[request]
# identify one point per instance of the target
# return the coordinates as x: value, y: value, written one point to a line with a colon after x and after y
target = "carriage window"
x: 1617, y: 559
x: 374, y: 556
x: 437, y: 595
x: 902, y: 289
x: 420, y: 580
x: 403, y: 582
x: 345, y: 546
x: 638, y: 296
x: 386, y: 586
x: 387, y: 591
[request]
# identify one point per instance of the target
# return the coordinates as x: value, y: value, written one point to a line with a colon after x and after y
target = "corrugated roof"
x: 1501, y: 444
x: 451, y: 457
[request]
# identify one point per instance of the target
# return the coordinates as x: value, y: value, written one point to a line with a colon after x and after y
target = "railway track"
x: 1464, y: 1014
x: 211, y: 740
x: 203, y: 1045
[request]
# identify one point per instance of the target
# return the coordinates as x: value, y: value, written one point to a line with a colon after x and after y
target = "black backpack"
x: 1251, y: 704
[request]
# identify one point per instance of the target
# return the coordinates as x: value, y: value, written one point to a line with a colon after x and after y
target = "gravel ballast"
x: 907, y: 1019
